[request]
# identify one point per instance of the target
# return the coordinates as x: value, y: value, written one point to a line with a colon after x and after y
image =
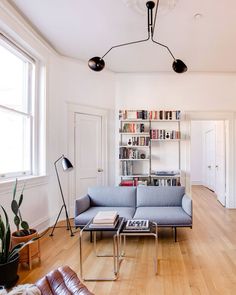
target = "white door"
x: 220, y: 162
x: 88, y: 152
x: 210, y: 159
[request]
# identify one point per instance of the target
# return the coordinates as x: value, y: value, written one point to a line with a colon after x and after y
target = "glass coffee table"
x: 121, y: 239
x: 115, y: 253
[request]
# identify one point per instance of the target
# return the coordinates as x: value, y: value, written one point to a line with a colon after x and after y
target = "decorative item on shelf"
x: 142, y: 156
x: 23, y: 233
x: 97, y: 63
x: 67, y: 166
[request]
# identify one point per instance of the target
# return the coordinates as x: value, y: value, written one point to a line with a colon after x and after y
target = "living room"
x: 67, y: 86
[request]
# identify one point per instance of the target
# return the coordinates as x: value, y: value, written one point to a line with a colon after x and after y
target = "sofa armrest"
x: 81, y: 205
x: 187, y: 204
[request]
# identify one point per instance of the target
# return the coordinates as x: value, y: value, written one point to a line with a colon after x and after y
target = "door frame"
x: 72, y: 110
x: 205, y: 155
x: 229, y: 118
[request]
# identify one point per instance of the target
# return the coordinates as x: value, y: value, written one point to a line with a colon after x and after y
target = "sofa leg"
x: 175, y: 229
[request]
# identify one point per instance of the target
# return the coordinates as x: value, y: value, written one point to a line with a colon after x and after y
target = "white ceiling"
x: 83, y: 29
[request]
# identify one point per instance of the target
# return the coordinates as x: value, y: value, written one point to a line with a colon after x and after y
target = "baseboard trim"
x: 196, y: 182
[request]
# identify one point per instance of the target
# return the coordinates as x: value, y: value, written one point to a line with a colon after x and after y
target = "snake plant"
x: 21, y: 225
x: 6, y: 253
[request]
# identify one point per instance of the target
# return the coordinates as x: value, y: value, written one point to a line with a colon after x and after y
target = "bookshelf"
x: 149, y: 147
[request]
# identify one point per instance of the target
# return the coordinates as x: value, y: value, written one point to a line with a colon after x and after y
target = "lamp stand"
x: 63, y: 206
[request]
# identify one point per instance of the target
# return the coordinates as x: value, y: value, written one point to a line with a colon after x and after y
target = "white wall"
x: 188, y: 91
x: 68, y: 80
x: 196, y: 152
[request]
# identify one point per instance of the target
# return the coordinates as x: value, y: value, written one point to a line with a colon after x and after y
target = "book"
x: 105, y: 225
x: 137, y: 224
x: 105, y: 217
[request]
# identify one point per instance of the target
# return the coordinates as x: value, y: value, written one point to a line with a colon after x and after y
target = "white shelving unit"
x: 158, y: 154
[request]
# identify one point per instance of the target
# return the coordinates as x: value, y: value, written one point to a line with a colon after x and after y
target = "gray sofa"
x: 168, y: 206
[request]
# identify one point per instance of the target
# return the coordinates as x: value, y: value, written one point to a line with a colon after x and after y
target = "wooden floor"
x: 203, y: 261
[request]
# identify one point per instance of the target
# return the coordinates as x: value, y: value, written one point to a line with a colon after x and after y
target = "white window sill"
x: 6, y: 186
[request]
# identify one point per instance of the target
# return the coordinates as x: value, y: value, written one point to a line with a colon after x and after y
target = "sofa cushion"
x: 112, y: 196
x: 164, y: 215
x: 83, y: 218
x: 149, y: 196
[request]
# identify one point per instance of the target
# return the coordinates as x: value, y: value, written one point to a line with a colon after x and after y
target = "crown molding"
x: 19, y: 20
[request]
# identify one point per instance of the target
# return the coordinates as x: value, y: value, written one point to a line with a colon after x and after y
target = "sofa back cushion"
x: 158, y: 196
x: 112, y: 196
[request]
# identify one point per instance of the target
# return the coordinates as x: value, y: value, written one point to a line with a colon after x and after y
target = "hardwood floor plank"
x: 202, y: 261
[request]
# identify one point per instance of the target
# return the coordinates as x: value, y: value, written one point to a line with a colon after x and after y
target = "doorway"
x: 87, y: 149
x: 208, y: 156
x: 88, y: 152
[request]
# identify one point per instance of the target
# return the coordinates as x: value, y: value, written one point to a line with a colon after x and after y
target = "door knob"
x: 209, y: 166
x: 100, y: 170
x: 217, y: 166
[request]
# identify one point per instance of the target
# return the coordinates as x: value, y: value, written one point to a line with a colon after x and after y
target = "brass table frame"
x: 121, y: 235
x: 115, y: 253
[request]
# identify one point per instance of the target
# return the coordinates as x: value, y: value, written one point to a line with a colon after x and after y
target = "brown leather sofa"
x: 62, y: 281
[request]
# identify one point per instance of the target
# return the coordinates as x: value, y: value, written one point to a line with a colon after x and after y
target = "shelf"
x: 156, y: 120
x: 135, y: 146
x: 135, y: 120
x: 134, y: 159
x: 165, y: 176
x: 135, y: 175
x: 136, y: 133
x: 165, y: 140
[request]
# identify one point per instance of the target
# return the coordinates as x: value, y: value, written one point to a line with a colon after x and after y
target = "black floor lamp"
x: 67, y: 166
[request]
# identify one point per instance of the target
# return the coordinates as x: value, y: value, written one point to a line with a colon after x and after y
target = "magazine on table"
x: 105, y: 225
x: 137, y: 224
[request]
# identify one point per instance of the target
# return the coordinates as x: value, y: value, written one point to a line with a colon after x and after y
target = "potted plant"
x: 9, y: 257
x: 23, y: 233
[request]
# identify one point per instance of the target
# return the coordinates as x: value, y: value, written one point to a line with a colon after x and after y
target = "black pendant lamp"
x: 97, y: 63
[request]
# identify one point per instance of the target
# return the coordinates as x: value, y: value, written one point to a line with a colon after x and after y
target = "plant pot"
x: 8, y: 272
x: 30, y: 251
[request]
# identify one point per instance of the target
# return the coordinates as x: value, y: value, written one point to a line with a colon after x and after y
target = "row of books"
x: 150, y: 115
x: 164, y: 134
x: 166, y: 182
x: 164, y: 115
x: 139, y: 141
x: 133, y: 128
x: 133, y: 182
x: 130, y: 153
x: 126, y: 168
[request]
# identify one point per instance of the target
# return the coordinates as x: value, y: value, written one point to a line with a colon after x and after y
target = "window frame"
x: 31, y: 106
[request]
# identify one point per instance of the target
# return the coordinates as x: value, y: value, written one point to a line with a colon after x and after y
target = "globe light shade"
x: 179, y: 66
x: 96, y: 64
x: 66, y: 164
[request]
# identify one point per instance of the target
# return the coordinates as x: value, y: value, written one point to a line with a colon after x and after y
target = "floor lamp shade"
x: 66, y: 164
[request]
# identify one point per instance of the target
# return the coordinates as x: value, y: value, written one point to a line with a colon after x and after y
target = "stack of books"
x: 105, y: 219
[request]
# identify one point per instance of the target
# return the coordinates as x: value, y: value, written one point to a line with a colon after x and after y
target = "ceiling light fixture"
x: 97, y: 63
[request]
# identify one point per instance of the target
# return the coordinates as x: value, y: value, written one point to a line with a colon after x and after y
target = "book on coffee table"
x: 137, y: 225
x: 105, y: 219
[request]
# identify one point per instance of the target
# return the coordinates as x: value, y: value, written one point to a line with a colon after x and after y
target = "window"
x: 17, y: 114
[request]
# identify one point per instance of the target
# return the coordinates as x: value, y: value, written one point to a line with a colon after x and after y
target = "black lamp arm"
x: 125, y: 44
x: 150, y: 33
x: 163, y: 45
x: 62, y: 156
x: 155, y: 18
